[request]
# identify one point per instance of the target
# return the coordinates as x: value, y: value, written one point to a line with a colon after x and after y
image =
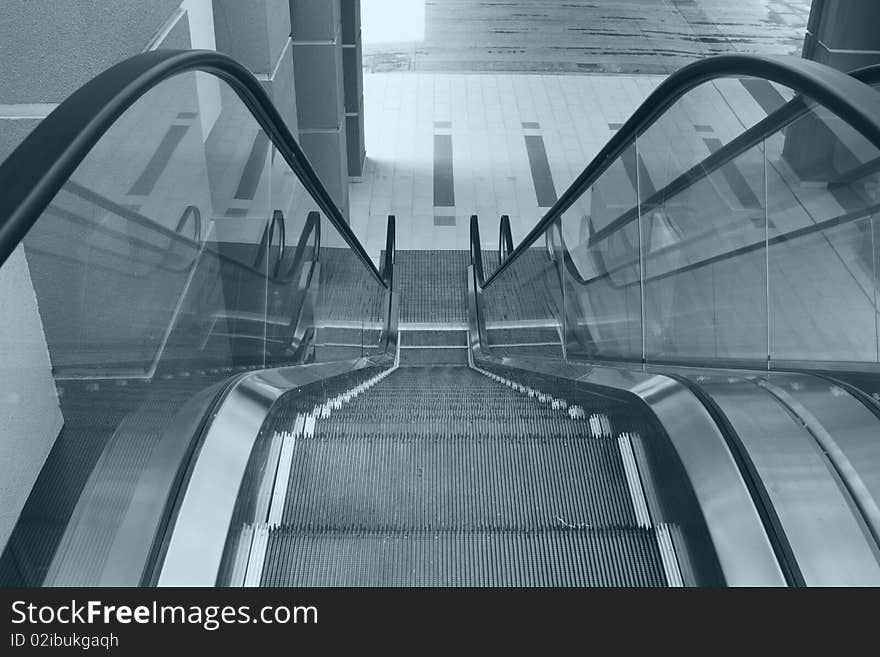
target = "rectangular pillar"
x: 257, y: 34
x: 316, y: 29
x: 353, y: 81
x: 842, y: 34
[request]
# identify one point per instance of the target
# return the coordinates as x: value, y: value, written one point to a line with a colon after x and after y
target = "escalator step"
x: 432, y: 285
x: 417, y: 338
x: 448, y: 482
x: 433, y: 356
x: 621, y: 557
x: 443, y: 476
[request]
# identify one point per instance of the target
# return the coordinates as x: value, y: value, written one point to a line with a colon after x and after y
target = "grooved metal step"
x: 355, y: 557
x: 414, y: 356
x: 443, y: 476
x: 457, y: 481
x: 436, y: 338
x: 432, y: 285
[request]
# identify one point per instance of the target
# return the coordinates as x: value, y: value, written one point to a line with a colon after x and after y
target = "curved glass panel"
x: 523, y: 312
x: 740, y: 227
x: 822, y: 194
x: 601, y: 266
x: 703, y: 225
x: 182, y: 250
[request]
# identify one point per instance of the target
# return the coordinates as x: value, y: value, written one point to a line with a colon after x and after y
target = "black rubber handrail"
x: 196, y: 214
x: 846, y: 96
x: 312, y: 226
x: 505, y: 239
x: 37, y: 169
x: 477, y: 251
x: 387, y: 270
x: 92, y: 196
x: 268, y: 239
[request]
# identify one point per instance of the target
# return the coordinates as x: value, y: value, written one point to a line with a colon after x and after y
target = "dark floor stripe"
x: 236, y: 212
x: 700, y: 127
x: 444, y: 189
x: 531, y: 125
x: 764, y: 93
x: 253, y: 169
x: 187, y: 115
x: 848, y: 198
x: 545, y: 191
x: 444, y: 220
x: 442, y: 124
x: 641, y: 180
x: 646, y: 185
x: 735, y: 178
x: 144, y: 185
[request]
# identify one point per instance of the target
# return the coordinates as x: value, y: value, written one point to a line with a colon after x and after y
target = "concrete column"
x: 842, y: 34
x: 318, y: 73
x: 353, y: 81
x: 257, y: 34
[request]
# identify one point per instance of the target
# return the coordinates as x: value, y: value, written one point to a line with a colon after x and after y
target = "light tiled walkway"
x: 490, y: 162
x: 489, y: 118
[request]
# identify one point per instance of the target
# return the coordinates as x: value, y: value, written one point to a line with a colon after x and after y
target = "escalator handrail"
x: 312, y: 225
x: 387, y: 270
x: 92, y: 196
x: 37, y: 169
x: 849, y: 98
x: 477, y: 251
x: 189, y: 211
x: 505, y: 239
x: 266, y: 242
x: 293, y: 273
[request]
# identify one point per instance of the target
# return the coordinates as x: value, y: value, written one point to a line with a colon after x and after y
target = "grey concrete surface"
x: 47, y: 41
x: 585, y: 36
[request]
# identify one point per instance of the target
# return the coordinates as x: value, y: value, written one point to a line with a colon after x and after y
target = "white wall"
x: 30, y: 417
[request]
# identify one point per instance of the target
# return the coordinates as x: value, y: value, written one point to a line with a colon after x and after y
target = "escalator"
x: 648, y: 390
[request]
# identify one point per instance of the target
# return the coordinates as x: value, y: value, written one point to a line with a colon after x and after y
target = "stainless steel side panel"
x: 825, y: 531
x: 847, y: 431
x: 198, y: 536
x: 743, y: 548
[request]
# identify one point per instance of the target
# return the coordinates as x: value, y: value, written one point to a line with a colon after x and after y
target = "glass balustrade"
x: 182, y: 251
x: 739, y: 228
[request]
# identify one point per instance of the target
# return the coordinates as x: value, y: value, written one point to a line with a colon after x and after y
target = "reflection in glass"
x: 703, y: 245
x: 601, y: 266
x: 181, y: 251
x: 823, y: 203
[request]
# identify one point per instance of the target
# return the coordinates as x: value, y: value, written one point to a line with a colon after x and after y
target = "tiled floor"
x: 517, y: 142
x: 485, y: 115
